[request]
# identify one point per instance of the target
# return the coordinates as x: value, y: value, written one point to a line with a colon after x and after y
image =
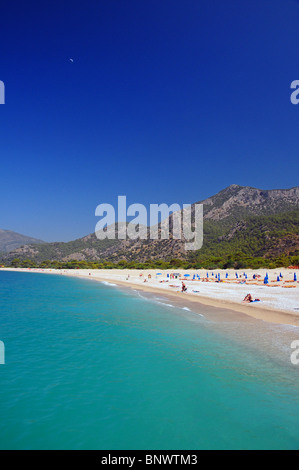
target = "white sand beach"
x: 278, y: 300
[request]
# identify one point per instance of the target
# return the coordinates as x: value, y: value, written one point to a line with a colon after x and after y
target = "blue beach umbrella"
x: 207, y: 274
x: 295, y: 277
x: 278, y: 279
x: 266, y: 280
x: 237, y: 276
x: 187, y: 275
x: 226, y: 275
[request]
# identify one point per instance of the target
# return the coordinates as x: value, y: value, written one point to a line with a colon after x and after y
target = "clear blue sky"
x: 165, y: 101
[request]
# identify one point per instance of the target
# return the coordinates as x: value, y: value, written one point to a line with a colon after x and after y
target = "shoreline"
x: 218, y: 308
x: 196, y: 304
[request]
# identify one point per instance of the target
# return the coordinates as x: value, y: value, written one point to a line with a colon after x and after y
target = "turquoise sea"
x: 91, y: 366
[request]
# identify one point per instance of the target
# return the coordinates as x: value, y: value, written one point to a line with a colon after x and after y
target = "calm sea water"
x: 89, y: 366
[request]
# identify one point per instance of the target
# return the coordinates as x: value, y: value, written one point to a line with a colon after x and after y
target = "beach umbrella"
x: 219, y: 277
x: 198, y: 277
x: 278, y: 279
x: 193, y: 276
x: 280, y: 275
x: 158, y: 274
x: 226, y: 275
x: 207, y: 274
x: 237, y: 276
x: 295, y: 277
x: 167, y: 275
x: 187, y: 275
x: 266, y: 280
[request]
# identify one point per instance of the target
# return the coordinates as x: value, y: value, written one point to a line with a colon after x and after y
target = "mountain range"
x: 238, y: 219
x: 10, y: 241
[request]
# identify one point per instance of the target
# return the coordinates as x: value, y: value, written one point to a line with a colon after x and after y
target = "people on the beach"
x: 184, y: 288
x: 248, y: 298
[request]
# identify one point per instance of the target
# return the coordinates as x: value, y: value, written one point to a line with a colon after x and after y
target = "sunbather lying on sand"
x: 249, y: 299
